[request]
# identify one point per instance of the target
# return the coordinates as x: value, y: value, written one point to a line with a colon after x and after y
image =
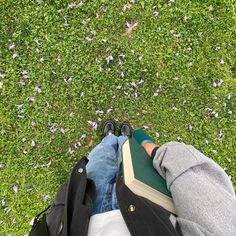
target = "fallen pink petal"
x: 93, y: 125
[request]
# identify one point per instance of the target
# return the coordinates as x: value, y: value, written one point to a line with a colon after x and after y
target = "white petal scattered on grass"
x: 222, y: 61
x: 93, y: 125
x: 220, y: 82
x: 220, y: 135
x: 46, y: 197
x: 157, y: 135
x: 176, y: 78
x: 15, y: 55
x: 122, y: 55
x: 41, y: 59
x: 145, y: 126
x: 62, y: 130
x: 99, y: 112
x: 72, y: 5
x: 15, y: 188
x: 109, y: 58
x: 2, y: 166
x: 26, y: 76
x: 178, y: 139
x: 141, y: 81
x: 7, y: 210
x: 156, y: 13
x: 140, y: 58
x: 3, y: 203
x: 178, y: 35
x: 214, y: 84
x: 33, y: 143
x: 229, y: 96
x: 99, y: 119
x: 29, y: 190
x: 31, y: 223
x: 85, y: 23
x: 88, y: 38
x: 68, y: 80
x: 31, y: 99
x: 210, y: 8
x: 37, y: 41
x: 24, y: 72
x: 174, y: 107
x: 83, y: 136
x: 70, y: 150
x: 12, y: 46
x: 81, y: 94
x: 109, y: 110
x: 39, y: 1
x: 2, y: 76
x: 77, y: 144
x: 200, y: 34
x: 38, y: 90
x: 230, y: 112
x: 49, y: 164
x: 190, y: 127
x: 206, y: 141
x: 53, y: 129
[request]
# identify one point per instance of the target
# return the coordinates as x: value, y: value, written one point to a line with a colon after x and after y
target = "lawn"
x: 65, y: 67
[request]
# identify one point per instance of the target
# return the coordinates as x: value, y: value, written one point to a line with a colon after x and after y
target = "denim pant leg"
x: 102, y: 169
x: 121, y: 140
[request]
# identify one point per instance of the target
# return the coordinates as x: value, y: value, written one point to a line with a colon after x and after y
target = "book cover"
x: 142, y: 178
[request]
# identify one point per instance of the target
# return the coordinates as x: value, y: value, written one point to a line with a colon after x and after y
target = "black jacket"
x: 71, y: 210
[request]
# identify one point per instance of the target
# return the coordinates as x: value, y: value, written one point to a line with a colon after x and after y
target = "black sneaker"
x: 126, y: 129
x: 108, y: 128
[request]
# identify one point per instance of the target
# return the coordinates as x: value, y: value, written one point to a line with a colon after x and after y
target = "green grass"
x: 188, y: 40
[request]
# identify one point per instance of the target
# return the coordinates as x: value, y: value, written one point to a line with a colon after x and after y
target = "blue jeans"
x: 102, y: 168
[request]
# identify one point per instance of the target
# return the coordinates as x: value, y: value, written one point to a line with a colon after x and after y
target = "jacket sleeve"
x: 202, y: 192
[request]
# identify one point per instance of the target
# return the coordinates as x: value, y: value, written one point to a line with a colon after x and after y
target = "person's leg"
x: 121, y: 140
x: 102, y: 169
x: 125, y: 132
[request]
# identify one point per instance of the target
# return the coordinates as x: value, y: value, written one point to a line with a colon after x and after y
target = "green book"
x: 142, y: 178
